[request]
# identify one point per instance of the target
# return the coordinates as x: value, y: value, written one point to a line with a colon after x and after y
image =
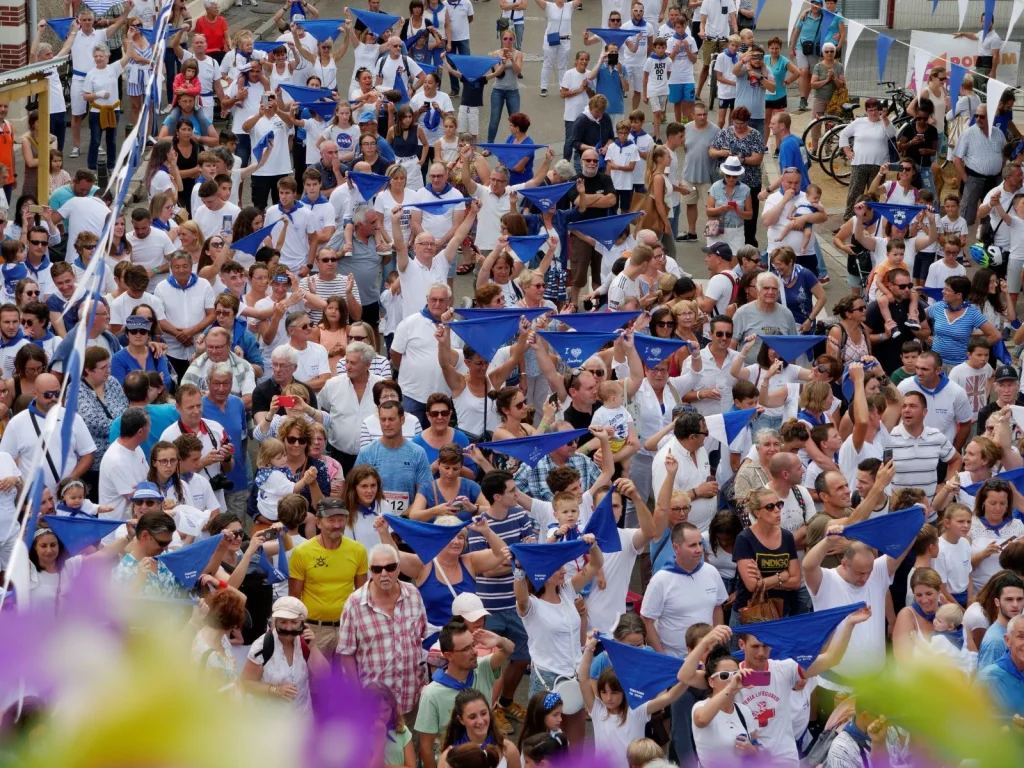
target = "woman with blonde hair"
x: 191, y: 238
x: 981, y: 456
x: 659, y: 187
x: 914, y: 623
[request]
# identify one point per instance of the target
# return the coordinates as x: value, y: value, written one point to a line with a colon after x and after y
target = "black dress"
x: 187, y: 164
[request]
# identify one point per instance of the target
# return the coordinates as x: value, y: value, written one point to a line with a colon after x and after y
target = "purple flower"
x: 344, y: 730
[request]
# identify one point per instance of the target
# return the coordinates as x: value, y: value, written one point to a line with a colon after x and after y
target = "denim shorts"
x: 542, y: 679
x: 508, y: 624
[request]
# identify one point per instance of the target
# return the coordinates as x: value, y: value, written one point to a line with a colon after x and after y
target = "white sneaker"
x: 75, y: 152
x: 166, y: 110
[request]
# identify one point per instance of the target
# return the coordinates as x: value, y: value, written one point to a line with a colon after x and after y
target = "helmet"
x: 992, y: 256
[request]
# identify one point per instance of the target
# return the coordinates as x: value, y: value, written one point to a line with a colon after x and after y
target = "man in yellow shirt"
x: 324, y: 571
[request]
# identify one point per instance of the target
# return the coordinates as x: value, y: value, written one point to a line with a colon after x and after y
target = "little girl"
x: 615, y: 724
x: 398, y: 746
x: 954, y: 560
x: 343, y: 133
x: 272, y: 481
x: 58, y: 176
x: 187, y: 82
x: 446, y: 148
x: 73, y: 503
x: 543, y: 715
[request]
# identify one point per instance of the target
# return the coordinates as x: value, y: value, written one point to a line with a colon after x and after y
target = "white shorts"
x: 805, y: 62
x: 469, y: 120
x: 1014, y: 268
x: 78, y: 104
x: 657, y: 103
x: 635, y: 77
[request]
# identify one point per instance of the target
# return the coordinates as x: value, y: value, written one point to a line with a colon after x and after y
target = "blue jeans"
x: 58, y: 126
x: 822, y: 269
x: 674, y: 221
x: 243, y: 148
x: 519, y: 28
x: 94, y: 141
x: 925, y: 172
x: 757, y: 124
x: 460, y: 47
x: 510, y: 100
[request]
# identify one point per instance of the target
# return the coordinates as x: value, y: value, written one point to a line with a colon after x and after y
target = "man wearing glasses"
x: 978, y: 157
x: 38, y: 263
x: 22, y: 437
x: 326, y: 283
x: 124, y: 467
x: 154, y: 533
x: 887, y: 341
x: 595, y: 195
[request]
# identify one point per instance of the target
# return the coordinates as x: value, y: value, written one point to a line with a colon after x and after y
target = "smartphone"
x: 1008, y: 541
x: 457, y: 504
x: 553, y: 399
x: 35, y: 209
x: 225, y: 223
x: 265, y: 100
x: 758, y: 678
x: 887, y: 455
x: 287, y: 401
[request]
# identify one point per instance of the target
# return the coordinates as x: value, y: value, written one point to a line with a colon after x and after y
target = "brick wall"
x: 13, y: 43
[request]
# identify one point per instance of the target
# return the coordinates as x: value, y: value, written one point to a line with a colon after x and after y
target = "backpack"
x: 822, y: 328
x: 268, y: 647
x: 735, y: 285
x: 381, y: 60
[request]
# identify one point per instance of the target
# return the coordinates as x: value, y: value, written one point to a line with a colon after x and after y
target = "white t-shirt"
x: 604, y: 606
x: 151, y: 252
x: 1016, y: 227
x: 280, y: 161
x: 573, y: 106
x: 444, y: 103
x: 184, y: 308
x: 723, y: 66
x: 720, y: 288
x: 795, y: 238
x: 622, y: 180
x: 946, y: 409
x: 611, y: 736
x: 459, y: 14
x: 120, y: 471
x: 312, y: 362
x: 553, y: 632
x: 301, y: 224
x: 974, y: 382
x: 657, y: 71
x: 866, y: 653
x: 558, y: 20
x: 955, y: 560
x: 772, y: 710
x: 243, y: 110
x: 682, y: 67
x: 417, y: 278
x: 103, y: 81
x: 716, y: 742
x: 938, y: 273
x: 676, y: 601
x: 8, y: 499
x: 622, y: 288
x: 21, y: 441
x: 390, y: 68
x: 420, y: 375
x: 849, y: 457
x: 123, y: 305
x: 85, y: 214
x: 645, y: 32
x: 216, y: 222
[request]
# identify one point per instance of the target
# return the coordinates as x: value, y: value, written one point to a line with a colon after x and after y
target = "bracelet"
x: 698, y: 395
x: 221, y: 584
x: 273, y: 690
x: 518, y: 574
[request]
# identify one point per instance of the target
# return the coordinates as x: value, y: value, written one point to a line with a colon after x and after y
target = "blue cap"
x: 147, y: 490
x: 367, y: 116
x: 138, y: 323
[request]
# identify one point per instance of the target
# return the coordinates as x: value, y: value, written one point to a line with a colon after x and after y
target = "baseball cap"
x: 137, y: 323
x: 1006, y: 373
x: 469, y: 606
x: 367, y: 116
x: 147, y: 490
x: 289, y: 608
x: 331, y: 507
x: 720, y: 249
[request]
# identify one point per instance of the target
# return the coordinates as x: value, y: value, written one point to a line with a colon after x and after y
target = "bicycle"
x: 896, y: 103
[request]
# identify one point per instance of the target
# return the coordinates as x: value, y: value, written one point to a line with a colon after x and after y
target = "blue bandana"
x: 858, y: 735
x: 955, y: 636
x: 44, y: 266
x: 17, y: 338
x: 439, y: 195
x: 638, y: 134
x: 623, y: 144
x: 72, y: 511
x: 35, y: 411
x: 943, y: 381
x: 920, y: 612
x: 443, y: 678
x: 192, y: 280
x: 289, y: 212
x: 426, y: 313
x: 431, y: 118
x: 319, y: 201
x: 164, y: 226
x: 998, y: 526
x: 365, y: 511
x: 809, y: 417
x: 733, y: 57
x: 674, y: 567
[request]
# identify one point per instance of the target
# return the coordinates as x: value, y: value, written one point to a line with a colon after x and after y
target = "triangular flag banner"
x: 438, y: 207
x: 653, y: 350
x: 963, y: 16
x: 760, y: 7
x: 274, y: 575
x: 795, y: 7
x: 411, y: 41
x: 576, y: 348
x: 267, y: 46
x: 511, y: 154
x: 884, y: 44
x: 399, y: 85
x: 990, y: 18
x: 897, y: 215
x: 800, y: 638
x: 262, y: 145
x: 368, y: 184
x: 73, y: 367
x: 935, y: 294
x: 890, y: 534
x: 304, y: 93
x: 77, y: 533
x: 789, y: 348
x: 921, y: 59
x: 476, y: 313
x: 323, y: 29
x: 295, y: 11
x: 994, y: 92
x: 935, y: 6
x: 956, y: 79
x: 602, y: 524
x: 726, y: 427
x: 597, y: 322
x: 826, y: 23
x: 150, y: 35
x: 605, y: 230
x: 546, y: 196
x: 486, y: 336
x: 853, y: 30
x: 425, y: 539
x: 541, y: 561
x: 525, y: 247
x: 1018, y: 8
x: 61, y: 26
x: 532, y: 449
x: 847, y: 384
x: 473, y: 67
x: 616, y: 37
x: 35, y: 501
x: 428, y: 68
x: 378, y: 23
x: 1014, y: 477
x: 253, y: 241
x: 282, y: 556
x: 187, y: 564
x: 323, y: 108
x: 643, y: 673
x: 1001, y: 353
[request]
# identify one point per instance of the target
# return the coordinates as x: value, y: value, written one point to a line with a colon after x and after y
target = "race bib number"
x: 398, y: 501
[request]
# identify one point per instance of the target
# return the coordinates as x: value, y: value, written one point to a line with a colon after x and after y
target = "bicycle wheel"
x: 714, y: 83
x: 828, y: 144
x: 839, y: 168
x: 825, y: 123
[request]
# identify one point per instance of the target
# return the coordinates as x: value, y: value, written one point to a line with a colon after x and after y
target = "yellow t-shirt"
x: 327, y: 575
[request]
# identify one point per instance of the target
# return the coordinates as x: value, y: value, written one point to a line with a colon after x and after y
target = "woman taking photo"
x: 778, y: 65
x: 439, y: 433
x: 782, y: 578
x: 505, y: 95
x: 723, y: 729
x: 553, y: 628
x: 913, y: 628
x: 828, y: 75
x: 994, y: 525
x: 452, y: 492
x: 954, y: 321
x: 745, y: 144
x: 473, y: 729
x: 100, y: 401
x: 138, y: 356
x: 279, y: 667
x: 729, y: 205
x: 331, y: 331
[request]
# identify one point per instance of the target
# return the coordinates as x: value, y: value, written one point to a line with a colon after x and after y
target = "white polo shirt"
x: 301, y: 224
x: 184, y: 308
x: 459, y: 14
x: 946, y: 409
x: 150, y: 252
x: 795, y: 238
x: 675, y: 601
x: 417, y: 278
x: 312, y: 362
x: 123, y: 305
x: 216, y: 222
x: 420, y: 375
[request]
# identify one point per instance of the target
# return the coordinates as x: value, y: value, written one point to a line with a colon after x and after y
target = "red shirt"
x: 7, y: 150
x: 216, y: 33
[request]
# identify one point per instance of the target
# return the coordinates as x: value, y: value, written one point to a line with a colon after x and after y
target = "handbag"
x: 569, y: 689
x: 555, y: 38
x: 955, y: 129
x: 840, y: 95
x: 760, y: 607
x: 649, y: 218
x: 713, y: 228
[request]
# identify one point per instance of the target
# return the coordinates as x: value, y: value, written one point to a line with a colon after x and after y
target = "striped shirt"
x: 327, y: 288
x: 496, y: 592
x: 951, y: 338
x: 915, y: 458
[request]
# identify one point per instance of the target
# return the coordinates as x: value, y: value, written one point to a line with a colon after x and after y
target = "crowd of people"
x: 417, y: 487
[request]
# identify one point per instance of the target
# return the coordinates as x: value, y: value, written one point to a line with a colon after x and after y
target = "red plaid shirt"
x: 387, y: 649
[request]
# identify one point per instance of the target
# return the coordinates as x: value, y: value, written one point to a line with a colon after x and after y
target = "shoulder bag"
x: 760, y: 607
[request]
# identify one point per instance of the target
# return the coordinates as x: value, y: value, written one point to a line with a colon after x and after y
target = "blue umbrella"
x: 532, y: 449
x: 575, y: 348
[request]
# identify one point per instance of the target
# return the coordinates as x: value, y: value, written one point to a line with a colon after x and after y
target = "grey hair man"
x: 349, y: 399
x: 362, y: 262
x: 216, y: 352
x: 284, y: 362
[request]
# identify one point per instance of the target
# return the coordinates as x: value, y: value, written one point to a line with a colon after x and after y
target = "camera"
x: 220, y: 482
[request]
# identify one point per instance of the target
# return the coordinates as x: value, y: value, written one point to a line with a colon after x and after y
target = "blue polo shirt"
x: 1005, y: 683
x: 161, y: 416
x: 233, y: 419
x: 610, y: 86
x: 793, y: 155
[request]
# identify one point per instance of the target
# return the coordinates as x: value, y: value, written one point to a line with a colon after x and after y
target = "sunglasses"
x: 138, y: 332
x: 378, y: 569
x: 303, y: 327
x: 328, y: 259
x: 440, y: 414
x: 905, y: 285
x: 163, y: 544
x: 861, y: 308
x: 87, y: 248
x: 600, y: 372
x: 723, y: 334
x: 233, y: 534
x: 665, y: 324
x: 31, y: 293
x: 216, y: 243
x: 356, y: 338
x: 520, y: 404
x: 37, y: 242
x: 725, y: 675
x: 50, y: 394
x: 292, y: 440
x: 774, y: 505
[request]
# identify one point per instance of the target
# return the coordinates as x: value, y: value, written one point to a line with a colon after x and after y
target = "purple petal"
x: 344, y: 729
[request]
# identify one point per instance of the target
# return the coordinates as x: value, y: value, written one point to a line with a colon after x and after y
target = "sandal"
x: 465, y: 269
